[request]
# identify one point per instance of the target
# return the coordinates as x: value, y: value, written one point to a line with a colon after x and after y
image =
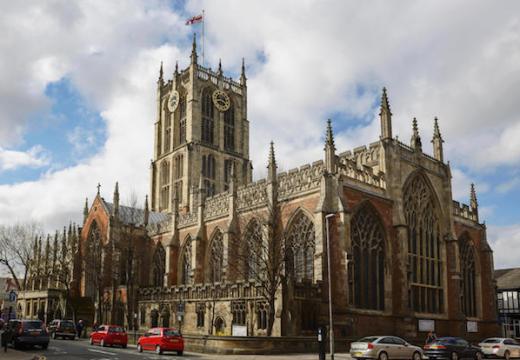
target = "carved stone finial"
x: 437, y: 141
x: 116, y: 199
x: 98, y: 188
x: 161, y: 73
x: 219, y: 71
x: 271, y: 166
x: 176, y: 68
x: 415, y: 142
x: 146, y: 211
x: 243, y: 77
x: 85, y: 211
x: 473, y: 197
x: 193, y: 56
x: 386, y: 117
x: 330, y: 149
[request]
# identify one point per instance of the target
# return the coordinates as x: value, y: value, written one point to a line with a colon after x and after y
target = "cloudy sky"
x: 77, y: 91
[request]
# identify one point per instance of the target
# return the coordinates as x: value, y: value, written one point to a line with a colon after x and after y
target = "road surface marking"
x: 102, y: 352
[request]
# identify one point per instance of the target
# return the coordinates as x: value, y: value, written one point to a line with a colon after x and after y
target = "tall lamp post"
x: 331, y: 337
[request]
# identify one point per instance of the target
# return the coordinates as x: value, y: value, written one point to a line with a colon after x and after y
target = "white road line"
x: 102, y: 352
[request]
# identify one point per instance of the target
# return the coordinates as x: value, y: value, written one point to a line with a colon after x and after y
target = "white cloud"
x: 35, y: 157
x: 505, y: 242
x: 306, y: 60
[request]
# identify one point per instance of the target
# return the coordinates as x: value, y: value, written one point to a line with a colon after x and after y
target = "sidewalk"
x: 12, y: 354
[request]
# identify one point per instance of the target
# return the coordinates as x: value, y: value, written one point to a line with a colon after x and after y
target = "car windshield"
x: 171, y: 332
x: 368, y: 339
x: 67, y: 324
x: 446, y: 340
x: 116, y: 329
x: 32, y: 324
x: 492, y: 341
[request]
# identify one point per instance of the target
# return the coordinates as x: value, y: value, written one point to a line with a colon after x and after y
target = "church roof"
x: 508, y: 278
x: 131, y: 215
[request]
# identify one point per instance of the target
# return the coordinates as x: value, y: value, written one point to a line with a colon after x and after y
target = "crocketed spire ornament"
x: 386, y: 117
x: 415, y: 142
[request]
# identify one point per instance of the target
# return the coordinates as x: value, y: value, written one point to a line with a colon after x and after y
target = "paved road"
x: 74, y: 350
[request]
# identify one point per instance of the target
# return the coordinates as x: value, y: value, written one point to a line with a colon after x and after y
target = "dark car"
x: 63, y: 329
x: 453, y: 348
x: 28, y: 332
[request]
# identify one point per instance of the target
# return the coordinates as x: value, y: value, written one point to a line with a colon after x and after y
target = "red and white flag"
x: 194, y: 20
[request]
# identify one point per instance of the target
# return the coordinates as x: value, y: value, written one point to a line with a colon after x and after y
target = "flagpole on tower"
x: 203, y: 20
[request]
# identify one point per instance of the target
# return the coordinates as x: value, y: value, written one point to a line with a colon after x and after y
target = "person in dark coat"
x: 79, y: 328
x: 431, y: 337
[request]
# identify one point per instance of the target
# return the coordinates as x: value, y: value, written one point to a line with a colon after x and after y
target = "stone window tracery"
x: 216, y: 260
x: 253, y: 250
x: 165, y: 184
x: 425, y: 291
x: 261, y: 315
x: 302, y: 247
x: 367, y: 270
x: 179, y: 170
x: 229, y: 129
x: 182, y: 119
x: 200, y: 309
x: 186, y: 263
x: 208, y: 173
x: 468, y: 273
x: 159, y: 266
x: 208, y: 112
x: 239, y: 311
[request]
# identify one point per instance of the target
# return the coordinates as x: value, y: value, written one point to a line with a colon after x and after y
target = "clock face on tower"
x: 221, y: 100
x: 173, y: 101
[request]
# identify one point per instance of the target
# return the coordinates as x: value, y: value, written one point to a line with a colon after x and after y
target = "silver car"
x: 500, y: 348
x: 384, y: 348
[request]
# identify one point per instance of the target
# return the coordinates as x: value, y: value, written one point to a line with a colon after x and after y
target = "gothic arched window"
x: 253, y: 254
x: 159, y: 266
x: 167, y: 129
x: 165, y: 184
x: 467, y: 266
x: 301, y: 246
x: 208, y: 173
x: 216, y: 260
x: 207, y: 117
x: 182, y: 119
x: 425, y: 291
x: 367, y: 270
x: 93, y: 262
x: 229, y: 129
x: 186, y: 263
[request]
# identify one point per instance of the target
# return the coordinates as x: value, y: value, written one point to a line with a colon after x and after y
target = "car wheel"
x: 45, y: 346
x: 53, y: 335
x: 179, y: 352
x: 416, y: 356
x: 507, y: 355
x: 158, y: 350
x: 72, y: 338
x: 478, y: 356
x: 102, y: 343
x: 383, y: 356
x: 454, y: 356
x: 123, y: 346
x: 139, y: 348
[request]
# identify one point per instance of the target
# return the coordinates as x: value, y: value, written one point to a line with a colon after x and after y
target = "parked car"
x: 160, y: 340
x: 500, y: 348
x: 63, y: 329
x: 452, y: 348
x: 384, y: 348
x: 109, y: 335
x: 28, y: 332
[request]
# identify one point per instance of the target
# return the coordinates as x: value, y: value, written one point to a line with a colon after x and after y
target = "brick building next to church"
x: 405, y: 257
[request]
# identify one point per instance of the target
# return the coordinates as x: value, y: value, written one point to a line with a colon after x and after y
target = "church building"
x: 217, y: 254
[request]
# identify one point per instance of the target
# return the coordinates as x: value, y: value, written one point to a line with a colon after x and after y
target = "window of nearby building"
x: 261, y: 315
x: 425, y: 293
x: 167, y: 132
x: 182, y: 119
x: 201, y: 311
x: 216, y: 260
x: 301, y: 240
x: 252, y: 250
x: 186, y: 263
x: 367, y: 271
x: 179, y: 171
x: 239, y: 311
x: 208, y: 113
x: 165, y: 184
x: 467, y: 265
x: 228, y: 168
x: 229, y: 129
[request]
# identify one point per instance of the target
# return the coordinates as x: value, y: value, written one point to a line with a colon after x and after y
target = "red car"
x: 109, y: 335
x: 161, y: 339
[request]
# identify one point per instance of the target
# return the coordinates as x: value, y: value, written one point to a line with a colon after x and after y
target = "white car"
x: 500, y: 348
x: 384, y: 348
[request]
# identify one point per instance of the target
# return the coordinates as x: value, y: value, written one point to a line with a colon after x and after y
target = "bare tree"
x: 93, y: 265
x: 262, y: 256
x: 64, y: 269
x: 17, y: 250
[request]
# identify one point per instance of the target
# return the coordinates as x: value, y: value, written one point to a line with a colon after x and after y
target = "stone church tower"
x: 201, y: 133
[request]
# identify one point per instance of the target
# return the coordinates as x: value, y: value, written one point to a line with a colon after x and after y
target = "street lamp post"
x: 331, y: 337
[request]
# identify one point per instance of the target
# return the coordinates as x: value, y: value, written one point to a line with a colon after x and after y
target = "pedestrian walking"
x: 6, y: 336
x: 79, y: 328
x: 431, y: 337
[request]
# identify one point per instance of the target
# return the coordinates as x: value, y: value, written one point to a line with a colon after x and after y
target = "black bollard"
x: 322, y: 342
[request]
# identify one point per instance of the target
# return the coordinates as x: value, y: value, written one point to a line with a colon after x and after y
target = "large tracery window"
x: 93, y: 262
x: 208, y: 173
x: 179, y: 169
x: 367, y: 270
x: 216, y: 260
x: 253, y: 254
x: 301, y: 246
x: 182, y: 119
x: 208, y: 113
x: 159, y: 266
x: 229, y: 129
x: 467, y: 265
x: 165, y: 184
x: 425, y: 291
x: 186, y: 263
